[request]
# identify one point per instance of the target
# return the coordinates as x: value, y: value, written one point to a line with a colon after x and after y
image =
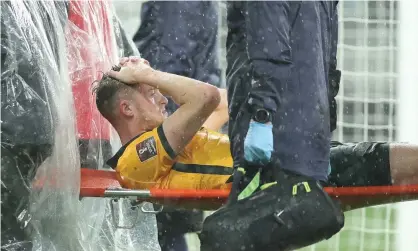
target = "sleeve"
x: 334, y: 76
x: 168, y: 150
x: 268, y: 48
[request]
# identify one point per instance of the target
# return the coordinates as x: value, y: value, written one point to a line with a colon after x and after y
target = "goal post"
x: 407, y: 118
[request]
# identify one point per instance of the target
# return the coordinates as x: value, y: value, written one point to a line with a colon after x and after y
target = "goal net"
x: 367, y: 57
x: 366, y: 109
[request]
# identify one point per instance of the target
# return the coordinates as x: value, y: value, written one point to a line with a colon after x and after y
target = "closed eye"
x: 152, y: 92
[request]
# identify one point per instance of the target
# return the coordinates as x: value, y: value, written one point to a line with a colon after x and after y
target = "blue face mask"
x: 258, y: 144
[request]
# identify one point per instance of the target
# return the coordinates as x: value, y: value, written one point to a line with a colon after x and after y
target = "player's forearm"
x: 221, y: 115
x: 183, y: 90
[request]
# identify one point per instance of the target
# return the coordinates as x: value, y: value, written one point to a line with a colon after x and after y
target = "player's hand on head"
x: 134, y: 59
x: 123, y: 61
x: 131, y: 71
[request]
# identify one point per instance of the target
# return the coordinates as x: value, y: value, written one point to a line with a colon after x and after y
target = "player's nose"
x: 164, y: 100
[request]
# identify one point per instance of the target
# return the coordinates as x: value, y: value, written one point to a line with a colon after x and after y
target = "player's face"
x: 151, y: 106
x: 162, y: 103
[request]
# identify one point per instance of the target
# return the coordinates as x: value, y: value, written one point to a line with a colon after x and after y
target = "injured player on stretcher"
x: 185, y: 151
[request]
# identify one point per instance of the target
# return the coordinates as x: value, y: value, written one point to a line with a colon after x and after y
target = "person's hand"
x: 132, y: 71
x: 258, y: 143
x: 123, y: 61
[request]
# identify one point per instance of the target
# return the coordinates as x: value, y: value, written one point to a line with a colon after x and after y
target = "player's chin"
x: 160, y: 119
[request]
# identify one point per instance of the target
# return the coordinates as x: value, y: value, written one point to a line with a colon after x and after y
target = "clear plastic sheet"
x: 52, y: 51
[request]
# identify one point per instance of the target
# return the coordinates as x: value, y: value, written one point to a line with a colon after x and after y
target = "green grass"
x: 370, y: 229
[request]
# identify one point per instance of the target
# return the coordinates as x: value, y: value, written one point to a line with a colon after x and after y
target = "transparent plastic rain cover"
x: 51, y: 52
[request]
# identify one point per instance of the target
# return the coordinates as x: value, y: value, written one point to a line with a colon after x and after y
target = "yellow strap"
x: 305, y: 184
x: 267, y: 185
x: 240, y: 169
x: 295, y: 189
x: 251, y: 187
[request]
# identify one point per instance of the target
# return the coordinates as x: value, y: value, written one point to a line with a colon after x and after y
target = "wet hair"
x: 107, y: 92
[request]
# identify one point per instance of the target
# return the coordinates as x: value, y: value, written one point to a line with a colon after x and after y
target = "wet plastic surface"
x: 52, y: 51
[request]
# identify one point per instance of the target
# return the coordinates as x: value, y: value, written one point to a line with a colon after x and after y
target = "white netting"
x: 366, y: 109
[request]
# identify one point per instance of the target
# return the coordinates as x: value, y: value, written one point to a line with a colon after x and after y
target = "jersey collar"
x: 113, y: 162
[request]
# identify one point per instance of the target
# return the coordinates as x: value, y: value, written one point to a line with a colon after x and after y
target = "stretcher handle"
x: 223, y: 193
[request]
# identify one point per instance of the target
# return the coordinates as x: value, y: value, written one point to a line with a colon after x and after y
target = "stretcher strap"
x: 251, y: 187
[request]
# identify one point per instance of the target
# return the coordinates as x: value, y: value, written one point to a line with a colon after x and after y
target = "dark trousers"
x: 18, y: 168
x: 173, y: 224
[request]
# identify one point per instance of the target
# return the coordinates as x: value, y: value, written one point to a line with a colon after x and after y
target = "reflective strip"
x: 305, y: 184
x: 251, y: 187
x: 240, y: 169
x: 307, y: 188
x: 267, y: 185
x: 295, y: 189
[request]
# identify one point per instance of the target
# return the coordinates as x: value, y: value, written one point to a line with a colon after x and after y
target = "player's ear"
x: 126, y: 108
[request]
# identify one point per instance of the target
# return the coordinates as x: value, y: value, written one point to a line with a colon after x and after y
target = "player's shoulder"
x: 145, y: 145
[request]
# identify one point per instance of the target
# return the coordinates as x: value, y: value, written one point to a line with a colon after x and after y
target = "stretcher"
x: 104, y: 183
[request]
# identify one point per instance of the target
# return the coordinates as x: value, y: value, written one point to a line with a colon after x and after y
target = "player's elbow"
x: 210, y: 97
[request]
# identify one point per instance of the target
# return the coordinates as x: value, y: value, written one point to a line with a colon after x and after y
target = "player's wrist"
x: 147, y: 76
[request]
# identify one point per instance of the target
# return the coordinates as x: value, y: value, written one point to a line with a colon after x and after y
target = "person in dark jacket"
x: 181, y: 38
x: 280, y: 60
x: 280, y: 55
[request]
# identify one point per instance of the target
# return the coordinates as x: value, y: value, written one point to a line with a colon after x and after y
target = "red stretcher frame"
x: 102, y: 183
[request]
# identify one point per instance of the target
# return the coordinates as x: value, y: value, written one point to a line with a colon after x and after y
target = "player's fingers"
x: 134, y: 59
x: 123, y: 61
x: 113, y: 74
x: 143, y: 61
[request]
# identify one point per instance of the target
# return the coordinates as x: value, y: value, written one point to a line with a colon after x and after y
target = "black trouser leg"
x: 18, y: 168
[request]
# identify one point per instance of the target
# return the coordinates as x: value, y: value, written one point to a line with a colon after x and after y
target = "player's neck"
x: 129, y: 132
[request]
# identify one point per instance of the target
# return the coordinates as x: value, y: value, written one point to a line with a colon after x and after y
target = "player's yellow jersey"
x: 148, y: 161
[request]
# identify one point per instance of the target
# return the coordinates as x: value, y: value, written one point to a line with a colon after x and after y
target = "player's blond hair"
x: 107, y: 92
